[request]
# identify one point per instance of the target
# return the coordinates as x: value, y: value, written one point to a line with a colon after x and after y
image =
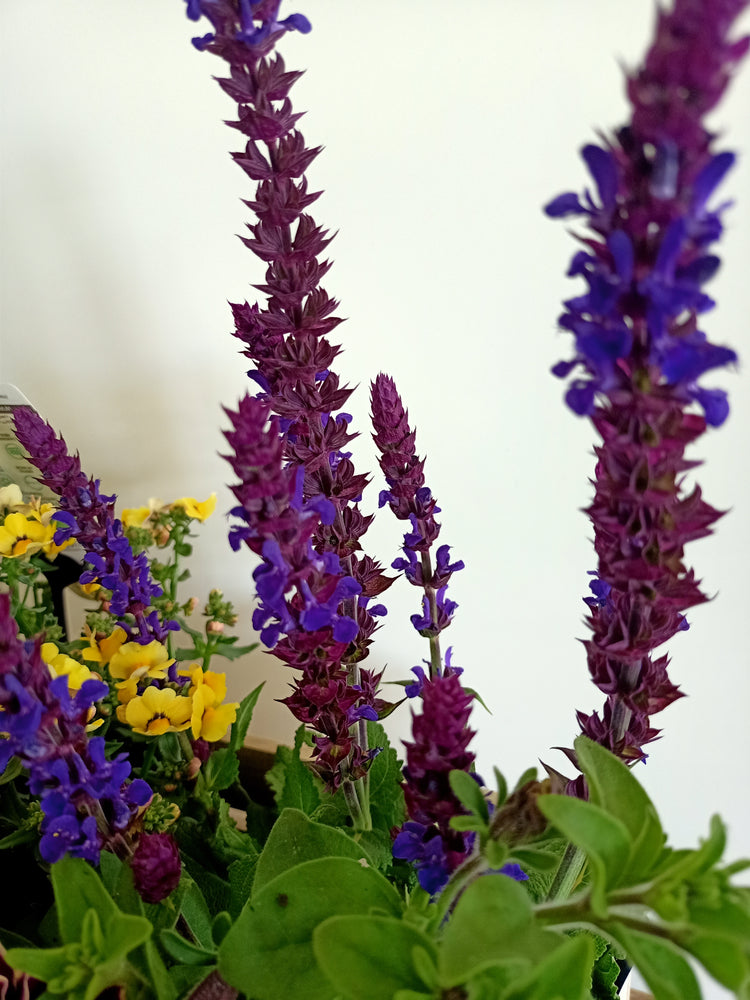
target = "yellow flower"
x: 105, y: 649
x: 133, y: 517
x: 198, y: 510
x: 158, y: 711
x: 21, y: 535
x: 126, y: 691
x: 210, y: 719
x: 137, y: 661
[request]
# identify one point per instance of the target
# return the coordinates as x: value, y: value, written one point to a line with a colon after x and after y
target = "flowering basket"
x: 156, y: 857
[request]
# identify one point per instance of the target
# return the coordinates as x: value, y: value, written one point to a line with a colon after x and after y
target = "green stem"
x: 436, y: 657
x: 568, y: 873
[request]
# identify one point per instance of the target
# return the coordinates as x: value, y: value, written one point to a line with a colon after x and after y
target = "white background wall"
x: 447, y: 126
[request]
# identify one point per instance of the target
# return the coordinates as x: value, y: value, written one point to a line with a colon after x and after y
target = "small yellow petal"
x: 197, y: 509
x: 133, y: 517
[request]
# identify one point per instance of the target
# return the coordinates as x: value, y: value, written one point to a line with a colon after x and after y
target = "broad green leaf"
x: 492, y: 922
x: 370, y: 958
x: 661, y: 964
x: 41, y: 963
x: 615, y: 788
x: 77, y: 889
x: 563, y: 975
x: 295, y: 838
x: 725, y: 959
x: 603, y: 837
x: 241, y: 724
x: 268, y: 953
x: 469, y: 794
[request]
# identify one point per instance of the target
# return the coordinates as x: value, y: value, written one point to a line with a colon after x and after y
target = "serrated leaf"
x: 221, y: 770
x: 241, y: 724
x: 384, y: 781
x: 268, y: 953
x: 351, y: 949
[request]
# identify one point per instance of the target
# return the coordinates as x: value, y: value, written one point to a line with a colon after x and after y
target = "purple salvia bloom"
x: 88, y: 515
x: 286, y: 340
x: 410, y: 500
x: 639, y: 355
x: 441, y: 736
x: 156, y: 866
x: 86, y: 799
x: 301, y: 592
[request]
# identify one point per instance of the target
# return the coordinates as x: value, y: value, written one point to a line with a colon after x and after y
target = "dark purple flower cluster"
x: 156, y: 866
x: 640, y: 354
x: 330, y: 587
x: 301, y: 591
x: 410, y: 500
x: 87, y: 515
x: 441, y: 736
x: 84, y: 797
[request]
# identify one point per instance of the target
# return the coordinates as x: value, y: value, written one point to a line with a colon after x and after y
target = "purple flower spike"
x: 86, y: 800
x: 441, y: 736
x: 640, y: 356
x: 88, y: 514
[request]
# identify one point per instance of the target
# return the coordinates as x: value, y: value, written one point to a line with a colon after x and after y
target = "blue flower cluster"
x: 645, y: 273
x: 84, y: 797
x: 259, y: 20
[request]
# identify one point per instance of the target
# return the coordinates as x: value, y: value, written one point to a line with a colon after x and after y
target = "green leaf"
x: 725, y: 959
x: 604, y: 838
x: 13, y: 768
x: 227, y: 648
x: 78, y: 889
x: 196, y: 914
x: 268, y: 953
x: 41, y: 963
x: 241, y: 724
x: 492, y: 922
x: 564, y: 975
x: 241, y: 875
x: 184, y: 951
x: 502, y: 787
x: 613, y: 787
x: 384, y: 781
x: 370, y: 958
x: 469, y: 794
x: 291, y: 780
x: 661, y: 964
x: 295, y: 838
x: 221, y: 770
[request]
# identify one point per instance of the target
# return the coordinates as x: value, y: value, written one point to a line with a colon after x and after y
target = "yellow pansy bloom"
x: 158, y: 711
x: 133, y: 517
x: 137, y: 661
x: 126, y: 691
x: 197, y: 509
x: 21, y: 536
x: 210, y: 719
x: 103, y: 650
